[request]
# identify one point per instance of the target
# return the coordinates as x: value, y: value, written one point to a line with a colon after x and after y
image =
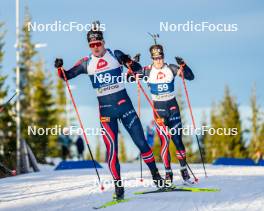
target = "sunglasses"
x: 157, y: 58
x: 96, y: 44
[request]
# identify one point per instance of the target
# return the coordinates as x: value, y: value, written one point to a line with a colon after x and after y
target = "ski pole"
x: 81, y: 124
x: 192, y: 117
x: 11, y: 98
x: 7, y: 102
x: 138, y: 92
x: 137, y: 58
x: 156, y: 113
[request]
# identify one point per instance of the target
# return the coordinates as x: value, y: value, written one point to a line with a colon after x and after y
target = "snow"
x: 242, y: 188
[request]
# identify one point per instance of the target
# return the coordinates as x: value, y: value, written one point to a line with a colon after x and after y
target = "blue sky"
x: 217, y: 58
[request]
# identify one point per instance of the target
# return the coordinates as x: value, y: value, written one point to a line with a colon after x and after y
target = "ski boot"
x: 186, y: 177
x: 158, y: 180
x: 119, y: 190
x: 169, y: 176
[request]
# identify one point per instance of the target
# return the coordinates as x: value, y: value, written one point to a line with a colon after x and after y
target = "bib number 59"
x: 163, y: 87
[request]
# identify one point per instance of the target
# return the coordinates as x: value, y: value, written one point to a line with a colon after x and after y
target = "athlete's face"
x: 158, y: 62
x: 97, y: 48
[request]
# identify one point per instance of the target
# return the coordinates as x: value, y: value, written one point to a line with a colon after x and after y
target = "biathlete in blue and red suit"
x: 114, y: 103
x: 160, y: 78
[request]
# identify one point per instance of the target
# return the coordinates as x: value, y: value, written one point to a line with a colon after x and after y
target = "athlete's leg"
x: 165, y: 141
x: 175, y: 125
x: 110, y: 131
x: 133, y: 125
x: 134, y: 128
x: 161, y: 122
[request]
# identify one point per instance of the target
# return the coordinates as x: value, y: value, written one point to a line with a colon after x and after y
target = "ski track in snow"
x: 242, y: 188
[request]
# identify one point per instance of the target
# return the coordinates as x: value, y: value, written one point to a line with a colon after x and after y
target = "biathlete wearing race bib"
x: 161, y: 84
x: 114, y: 105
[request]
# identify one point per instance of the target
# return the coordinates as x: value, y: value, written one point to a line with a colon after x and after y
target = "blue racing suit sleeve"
x: 121, y: 57
x: 79, y: 68
x: 140, y: 73
x: 188, y: 74
x: 125, y: 59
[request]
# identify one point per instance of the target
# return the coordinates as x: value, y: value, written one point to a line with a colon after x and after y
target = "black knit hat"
x: 95, y: 34
x: 156, y: 51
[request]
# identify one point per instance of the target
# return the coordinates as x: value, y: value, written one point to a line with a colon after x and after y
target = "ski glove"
x: 58, y: 62
x: 136, y: 58
x: 125, y: 59
x: 179, y: 60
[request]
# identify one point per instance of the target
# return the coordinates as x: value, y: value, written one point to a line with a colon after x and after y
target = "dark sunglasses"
x: 96, y: 44
x: 158, y: 58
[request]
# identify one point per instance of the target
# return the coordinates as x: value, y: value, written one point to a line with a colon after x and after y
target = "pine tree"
x: 27, y: 54
x: 261, y: 143
x: 231, y: 119
x: 43, y: 115
x: 255, y: 146
x: 225, y: 115
x: 2, y: 34
x: 61, y: 103
x: 37, y: 105
x: 7, y: 124
x: 213, y: 148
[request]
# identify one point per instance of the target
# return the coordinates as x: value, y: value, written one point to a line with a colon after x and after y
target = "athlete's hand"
x: 125, y: 59
x: 136, y: 58
x: 179, y: 60
x: 58, y: 62
x: 180, y: 72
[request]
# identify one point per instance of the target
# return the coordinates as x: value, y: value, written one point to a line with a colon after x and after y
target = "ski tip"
x: 138, y: 193
x: 112, y: 203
